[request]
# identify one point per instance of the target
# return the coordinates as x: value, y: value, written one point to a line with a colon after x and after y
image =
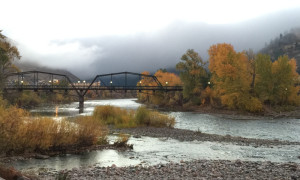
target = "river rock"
x: 40, y: 156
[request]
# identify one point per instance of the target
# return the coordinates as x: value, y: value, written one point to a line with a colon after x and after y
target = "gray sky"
x: 93, y: 37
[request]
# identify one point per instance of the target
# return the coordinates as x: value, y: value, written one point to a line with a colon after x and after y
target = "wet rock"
x: 40, y: 156
x: 137, y: 136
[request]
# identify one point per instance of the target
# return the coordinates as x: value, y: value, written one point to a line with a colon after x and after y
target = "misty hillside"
x: 285, y: 44
x: 29, y: 66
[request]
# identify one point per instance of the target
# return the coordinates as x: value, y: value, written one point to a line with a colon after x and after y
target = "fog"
x: 149, y: 51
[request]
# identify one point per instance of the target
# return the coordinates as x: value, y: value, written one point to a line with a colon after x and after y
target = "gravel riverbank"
x: 201, y: 169
x: 188, y: 135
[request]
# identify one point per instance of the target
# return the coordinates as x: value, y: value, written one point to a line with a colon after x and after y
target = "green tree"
x: 193, y: 75
x: 276, y: 81
x: 8, y: 53
x: 264, y: 82
x: 251, y: 68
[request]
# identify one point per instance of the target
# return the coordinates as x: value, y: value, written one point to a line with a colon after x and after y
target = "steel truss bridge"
x: 38, y: 80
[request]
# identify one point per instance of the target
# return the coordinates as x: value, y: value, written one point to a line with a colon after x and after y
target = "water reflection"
x: 283, y: 129
x: 150, y: 151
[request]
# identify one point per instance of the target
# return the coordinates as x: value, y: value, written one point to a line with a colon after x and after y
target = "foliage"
x: 276, y: 81
x: 122, y: 140
x: 8, y: 53
x: 30, y: 98
x: 230, y: 78
x: 160, y: 98
x: 111, y: 115
x: 19, y: 133
x: 90, y: 131
x: 146, y: 117
x: 193, y: 75
x: 127, y: 118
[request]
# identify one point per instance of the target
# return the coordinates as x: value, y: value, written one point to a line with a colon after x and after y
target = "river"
x: 150, y: 151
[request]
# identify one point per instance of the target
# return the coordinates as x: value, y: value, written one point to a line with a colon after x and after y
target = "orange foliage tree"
x: 158, y: 97
x: 231, y: 78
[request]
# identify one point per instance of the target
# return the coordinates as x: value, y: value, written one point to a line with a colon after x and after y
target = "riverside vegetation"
x: 239, y: 81
x: 20, y: 133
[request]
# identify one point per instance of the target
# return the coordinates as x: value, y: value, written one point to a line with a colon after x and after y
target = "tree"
x: 276, y: 81
x: 252, y: 68
x: 160, y: 98
x: 193, y: 75
x: 231, y: 78
x: 8, y: 53
x: 264, y: 82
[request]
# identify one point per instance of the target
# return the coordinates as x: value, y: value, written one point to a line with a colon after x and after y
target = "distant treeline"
x: 234, y: 80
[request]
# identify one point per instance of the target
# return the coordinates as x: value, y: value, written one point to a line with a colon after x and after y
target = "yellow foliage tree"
x: 231, y: 78
x: 160, y: 98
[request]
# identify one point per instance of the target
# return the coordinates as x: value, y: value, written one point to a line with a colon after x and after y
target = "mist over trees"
x: 287, y: 43
x: 234, y: 80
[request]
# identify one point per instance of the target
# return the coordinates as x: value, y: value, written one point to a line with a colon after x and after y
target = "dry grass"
x: 20, y: 134
x: 122, y: 118
x: 111, y: 115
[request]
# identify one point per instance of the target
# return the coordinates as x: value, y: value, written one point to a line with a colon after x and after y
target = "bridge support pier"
x: 81, y: 103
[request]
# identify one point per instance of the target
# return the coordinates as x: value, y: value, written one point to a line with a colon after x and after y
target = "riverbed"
x: 149, y: 151
x: 261, y: 128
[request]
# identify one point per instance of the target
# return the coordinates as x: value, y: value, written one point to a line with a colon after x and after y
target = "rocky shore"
x: 188, y: 135
x: 200, y: 169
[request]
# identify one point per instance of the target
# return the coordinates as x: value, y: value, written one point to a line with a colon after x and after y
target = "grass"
x: 122, y: 118
x: 20, y: 133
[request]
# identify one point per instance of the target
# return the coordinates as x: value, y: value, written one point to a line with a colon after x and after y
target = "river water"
x: 150, y: 151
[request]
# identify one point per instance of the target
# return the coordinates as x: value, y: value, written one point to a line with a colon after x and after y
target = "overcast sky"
x: 91, y: 37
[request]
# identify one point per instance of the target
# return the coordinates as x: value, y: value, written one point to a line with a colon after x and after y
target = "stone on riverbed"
x: 40, y: 156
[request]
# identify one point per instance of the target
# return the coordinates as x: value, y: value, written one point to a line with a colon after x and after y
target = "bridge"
x: 122, y: 81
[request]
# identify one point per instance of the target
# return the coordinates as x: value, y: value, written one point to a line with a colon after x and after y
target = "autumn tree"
x: 276, y: 81
x: 231, y: 78
x: 159, y: 97
x: 8, y: 53
x: 193, y: 75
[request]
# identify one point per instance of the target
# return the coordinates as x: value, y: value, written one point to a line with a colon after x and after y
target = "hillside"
x: 287, y: 44
x: 29, y: 66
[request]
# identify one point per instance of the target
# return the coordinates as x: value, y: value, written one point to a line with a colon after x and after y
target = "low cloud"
x: 162, y: 49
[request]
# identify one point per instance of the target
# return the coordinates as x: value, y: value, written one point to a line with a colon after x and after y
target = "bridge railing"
x: 85, y: 87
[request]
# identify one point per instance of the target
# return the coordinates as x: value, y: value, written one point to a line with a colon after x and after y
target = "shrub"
x: 142, y: 116
x: 111, y: 115
x: 122, y: 118
x: 19, y: 133
x: 90, y: 131
x: 146, y: 117
x: 122, y: 141
x: 161, y: 120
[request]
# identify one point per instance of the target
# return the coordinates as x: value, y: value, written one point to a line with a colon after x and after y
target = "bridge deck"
x: 84, y: 88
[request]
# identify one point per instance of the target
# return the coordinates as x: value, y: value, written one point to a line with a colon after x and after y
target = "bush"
x: 161, y: 120
x: 90, y: 131
x: 111, y: 115
x: 146, y: 117
x: 19, y: 133
x: 122, y: 118
x: 142, y: 116
x: 122, y: 141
